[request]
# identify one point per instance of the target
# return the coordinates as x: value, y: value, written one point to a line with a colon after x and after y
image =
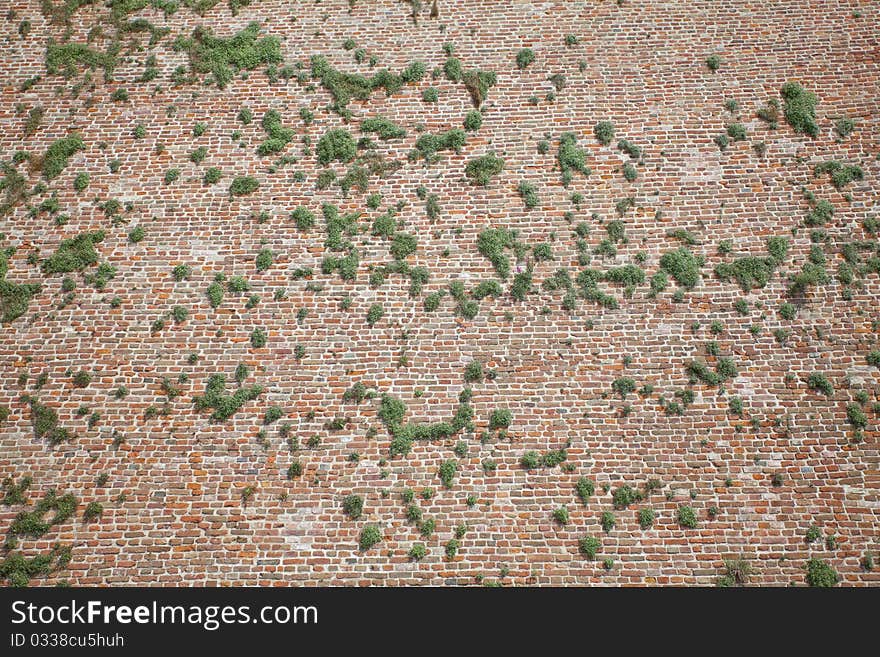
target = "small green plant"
x: 353, y: 506
x: 212, y: 176
x: 370, y: 535
x: 820, y: 383
x: 375, y: 313
x: 447, y: 472
x: 584, y: 489
x: 687, y: 517
x: 525, y: 57
x: 646, y: 518
x: 530, y: 460
x: 481, y: 170
x: 713, y: 62
x: 820, y: 574
x: 500, y: 418
x: 529, y: 194
x: 607, y: 521
x: 417, y: 552
x: 560, y: 515
x: 243, y: 185
x: 258, y: 338
x: 604, y: 132
x: 589, y: 546
x: 800, y: 109
x: 92, y: 511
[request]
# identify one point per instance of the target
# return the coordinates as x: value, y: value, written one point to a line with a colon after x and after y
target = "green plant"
x: 560, y: 515
x: 683, y: 266
x: 623, y: 386
x: 447, y: 472
x: 736, y: 572
x: 841, y: 174
x: 525, y: 57
x: 687, y: 517
x: 480, y: 170
x: 584, y: 489
x: 212, y: 176
x: 58, y: 154
x: 843, y: 127
x: 295, y: 470
x: 800, y: 109
x: 452, y: 548
x: 529, y: 194
x: 224, y: 406
x: 625, y: 495
x: 417, y: 552
x: 607, y: 520
x: 92, y: 511
x: 820, y: 383
x: 258, y: 338
x: 473, y: 372
x: 383, y: 127
x: 243, y: 185
x: 820, y: 574
x: 571, y: 158
x: 375, y: 313
x: 736, y: 131
x: 713, y: 62
x: 336, y: 144
x: 370, y: 535
x: 222, y: 57
x: 604, y: 132
x: 856, y: 416
x: 500, y: 418
x: 530, y: 460
x: 589, y: 546
x: 646, y: 518
x: 353, y: 506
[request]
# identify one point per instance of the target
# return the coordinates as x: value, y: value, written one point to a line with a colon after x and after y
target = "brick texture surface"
x: 188, y: 500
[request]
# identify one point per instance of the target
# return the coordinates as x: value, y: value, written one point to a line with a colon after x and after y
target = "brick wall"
x: 173, y: 510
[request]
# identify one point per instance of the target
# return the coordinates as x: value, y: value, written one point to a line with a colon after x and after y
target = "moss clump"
x: 224, y: 405
x: 480, y: 170
x: 800, y: 109
x: 336, y: 144
x: 243, y: 185
x: 57, y: 155
x: 74, y: 254
x: 221, y: 58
